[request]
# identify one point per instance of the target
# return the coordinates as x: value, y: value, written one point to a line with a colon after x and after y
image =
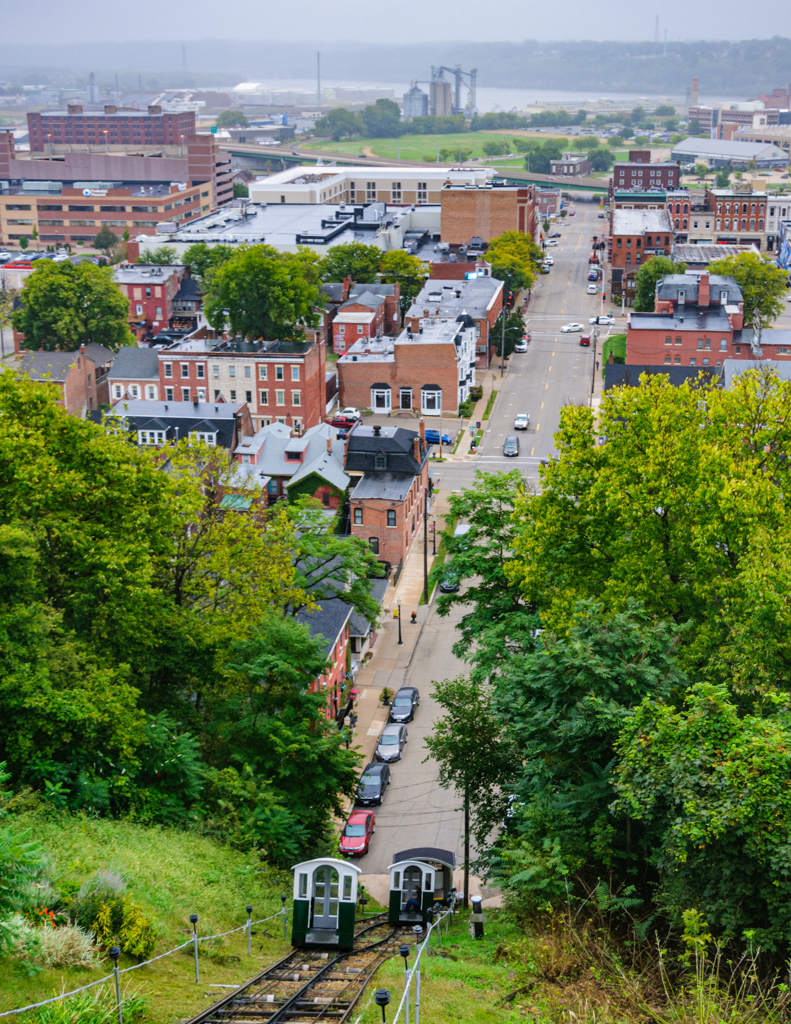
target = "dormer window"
x: 723, y: 297
x: 681, y: 296
x: 380, y: 460
x: 293, y: 456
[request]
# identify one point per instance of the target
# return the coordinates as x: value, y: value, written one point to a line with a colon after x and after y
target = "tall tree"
x: 164, y: 255
x: 338, y: 123
x: 202, y: 259
x: 647, y: 278
x: 382, y: 120
x: 66, y: 306
x: 408, y: 271
x: 763, y: 286
x: 515, y: 259
x: 262, y: 294
x: 356, y: 260
x: 105, y: 239
x: 232, y: 119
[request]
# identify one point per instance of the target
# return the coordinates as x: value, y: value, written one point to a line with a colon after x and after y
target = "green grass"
x: 616, y: 344
x: 416, y: 147
x: 171, y: 874
x: 465, y: 981
x: 489, y: 404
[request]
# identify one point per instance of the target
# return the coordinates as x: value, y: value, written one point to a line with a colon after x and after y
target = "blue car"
x: 432, y: 437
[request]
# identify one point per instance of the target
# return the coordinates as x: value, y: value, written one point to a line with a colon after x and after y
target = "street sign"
x: 213, y: 130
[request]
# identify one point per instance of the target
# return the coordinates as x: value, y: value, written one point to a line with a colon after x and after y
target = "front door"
x: 325, y: 897
x: 412, y: 880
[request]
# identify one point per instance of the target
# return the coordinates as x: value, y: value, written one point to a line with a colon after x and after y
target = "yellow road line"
x: 538, y: 427
x: 542, y: 405
x: 549, y: 370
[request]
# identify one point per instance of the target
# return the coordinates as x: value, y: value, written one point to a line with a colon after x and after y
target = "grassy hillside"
x: 171, y: 875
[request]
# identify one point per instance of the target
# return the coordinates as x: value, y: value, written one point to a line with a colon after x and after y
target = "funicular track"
x: 308, y: 985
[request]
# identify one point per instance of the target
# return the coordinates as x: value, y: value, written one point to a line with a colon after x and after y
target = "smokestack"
x: 422, y: 428
x: 416, y: 449
x: 693, y: 96
x: 329, y: 446
x: 704, y: 289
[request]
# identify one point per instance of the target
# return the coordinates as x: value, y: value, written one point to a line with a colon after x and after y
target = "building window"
x: 358, y: 517
x: 248, y: 396
x: 185, y: 394
x: 431, y: 399
x: 705, y: 362
x: 199, y: 435
x: 263, y: 398
x: 200, y: 371
x: 151, y: 393
x: 380, y: 398
x: 628, y: 257
x: 295, y: 373
x: 668, y: 341
x: 422, y: 192
x: 396, y: 192
x: 134, y: 391
x: 693, y: 361
x: 168, y: 369
x: 279, y: 373
x: 247, y: 372
x: 280, y: 398
x: 215, y: 371
x: 370, y: 191
x: 700, y: 344
x: 708, y: 345
x: 676, y: 360
x: 380, y: 460
x: 391, y: 517
x: 151, y: 437
x: 231, y: 371
x: 168, y: 394
x: 678, y: 341
x: 159, y: 312
x: 185, y: 369
x: 118, y: 391
x: 296, y: 398
x: 139, y: 309
x: 667, y: 359
x: 359, y: 328
x: 723, y: 344
x: 233, y: 396
x: 374, y: 544
x: 262, y: 373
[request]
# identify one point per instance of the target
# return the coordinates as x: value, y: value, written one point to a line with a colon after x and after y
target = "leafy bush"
x: 66, y: 946
x: 121, y: 922
x: 103, y: 887
x: 466, y: 407
x: 19, y: 862
x: 96, y: 1006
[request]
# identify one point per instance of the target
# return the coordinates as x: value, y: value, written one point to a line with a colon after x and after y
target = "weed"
x: 97, y: 1006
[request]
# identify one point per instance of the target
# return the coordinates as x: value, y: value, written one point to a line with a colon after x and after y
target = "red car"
x: 585, y: 340
x: 357, y: 833
x: 342, y: 422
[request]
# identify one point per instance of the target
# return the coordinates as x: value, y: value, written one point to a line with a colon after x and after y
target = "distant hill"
x: 745, y: 68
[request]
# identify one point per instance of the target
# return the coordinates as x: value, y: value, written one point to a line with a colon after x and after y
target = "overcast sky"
x: 402, y: 21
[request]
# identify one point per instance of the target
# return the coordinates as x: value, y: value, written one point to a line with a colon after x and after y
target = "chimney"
x: 74, y: 108
x: 377, y: 430
x: 110, y: 108
x: 422, y: 429
x: 416, y: 449
x: 154, y: 108
x: 610, y: 360
x: 704, y: 289
x: 329, y: 446
x: 693, y: 95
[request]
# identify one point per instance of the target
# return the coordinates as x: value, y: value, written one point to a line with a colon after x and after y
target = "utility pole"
x: 502, y: 342
x: 465, y: 903
x: 425, y: 538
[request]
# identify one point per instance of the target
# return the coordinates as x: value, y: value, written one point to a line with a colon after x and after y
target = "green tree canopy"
x: 601, y: 159
x: 647, y: 278
x: 232, y: 119
x: 763, y: 286
x: 338, y: 123
x: 664, y: 110
x: 515, y: 259
x: 356, y: 260
x: 164, y: 255
x: 266, y: 295
x: 408, y: 271
x: 66, y: 306
x: 105, y: 239
x: 382, y: 120
x: 202, y: 258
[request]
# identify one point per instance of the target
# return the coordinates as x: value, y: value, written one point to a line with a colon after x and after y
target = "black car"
x: 555, y: 234
x: 404, y: 703
x: 373, y: 784
x: 449, y: 583
x: 511, y: 446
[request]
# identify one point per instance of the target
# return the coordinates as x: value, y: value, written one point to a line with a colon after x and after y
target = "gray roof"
x: 366, y: 298
x: 41, y: 365
x: 328, y: 467
x: 398, y: 444
x: 177, y: 419
x: 770, y: 339
x: 274, y: 440
x: 188, y: 290
x: 668, y: 287
x: 358, y: 624
x: 636, y: 222
x: 100, y: 355
x: 327, y: 620
x: 732, y: 368
x: 686, y: 318
x: 135, y: 364
x: 620, y: 374
x: 387, y: 486
x: 440, y: 299
x: 705, y: 254
x: 729, y: 149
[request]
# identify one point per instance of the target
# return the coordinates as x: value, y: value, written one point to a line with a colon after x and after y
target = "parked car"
x: 601, y: 215
x: 585, y: 340
x: 373, y: 784
x: 449, y: 583
x: 552, y: 241
x: 404, y: 703
x: 592, y: 288
x: 521, y: 346
x: 341, y: 421
x: 545, y: 268
x: 511, y: 446
x: 350, y: 413
x: 357, y: 832
x: 432, y: 437
x: 555, y: 234
x: 522, y: 421
x: 549, y: 260
x: 593, y: 274
x: 391, y: 742
x: 571, y: 328
x: 572, y: 212
x: 608, y: 321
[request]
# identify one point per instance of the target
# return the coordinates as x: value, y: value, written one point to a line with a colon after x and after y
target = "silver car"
x: 391, y: 743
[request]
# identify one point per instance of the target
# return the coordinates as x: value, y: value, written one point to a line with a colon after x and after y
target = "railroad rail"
x: 309, y: 986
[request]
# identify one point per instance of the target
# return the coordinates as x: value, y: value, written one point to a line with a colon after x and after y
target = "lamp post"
x: 181, y: 145
x: 425, y: 539
x: 106, y: 148
x: 398, y: 602
x: 404, y: 951
x: 382, y: 998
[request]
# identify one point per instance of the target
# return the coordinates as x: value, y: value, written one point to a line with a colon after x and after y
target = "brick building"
x: 151, y: 290
x: 383, y: 301
x: 548, y: 201
x: 330, y: 623
x: 135, y: 374
x: 80, y: 376
x: 153, y: 424
x: 486, y: 211
x: 387, y: 503
x: 68, y: 200
x: 641, y: 174
x: 571, y: 165
x: 277, y: 380
x: 430, y: 369
x: 480, y: 298
x: 113, y: 126
x: 637, y: 234
x: 698, y: 321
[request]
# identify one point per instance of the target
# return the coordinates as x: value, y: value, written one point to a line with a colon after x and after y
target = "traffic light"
x: 510, y: 300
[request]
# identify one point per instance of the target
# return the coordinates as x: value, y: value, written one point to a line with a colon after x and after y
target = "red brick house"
x: 480, y: 298
x: 637, y: 234
x: 390, y: 465
x: 486, y: 211
x: 135, y: 374
x: 151, y: 290
x: 366, y: 310
x: 81, y: 376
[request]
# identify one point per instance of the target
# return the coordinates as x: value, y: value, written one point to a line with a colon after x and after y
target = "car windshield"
x: 403, y: 701
x: 369, y: 780
x: 354, y: 831
x: 389, y: 738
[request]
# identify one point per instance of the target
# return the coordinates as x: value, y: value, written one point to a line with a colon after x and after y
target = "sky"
x: 404, y: 21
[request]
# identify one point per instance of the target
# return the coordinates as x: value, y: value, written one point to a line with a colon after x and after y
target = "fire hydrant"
x: 414, y: 618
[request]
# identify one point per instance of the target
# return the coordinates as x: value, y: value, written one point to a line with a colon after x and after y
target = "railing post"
x: 115, y: 953
x: 249, y: 928
x: 285, y: 923
x: 194, y: 920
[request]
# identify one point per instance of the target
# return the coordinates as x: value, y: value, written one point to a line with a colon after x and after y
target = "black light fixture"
x: 382, y: 998
x: 403, y: 949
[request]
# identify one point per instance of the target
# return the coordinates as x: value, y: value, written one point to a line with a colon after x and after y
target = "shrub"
x: 465, y: 408
x: 67, y: 946
x: 121, y: 922
x: 102, y: 887
x: 94, y: 1007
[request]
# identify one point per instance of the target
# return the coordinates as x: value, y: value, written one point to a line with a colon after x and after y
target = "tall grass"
x: 97, y: 1006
